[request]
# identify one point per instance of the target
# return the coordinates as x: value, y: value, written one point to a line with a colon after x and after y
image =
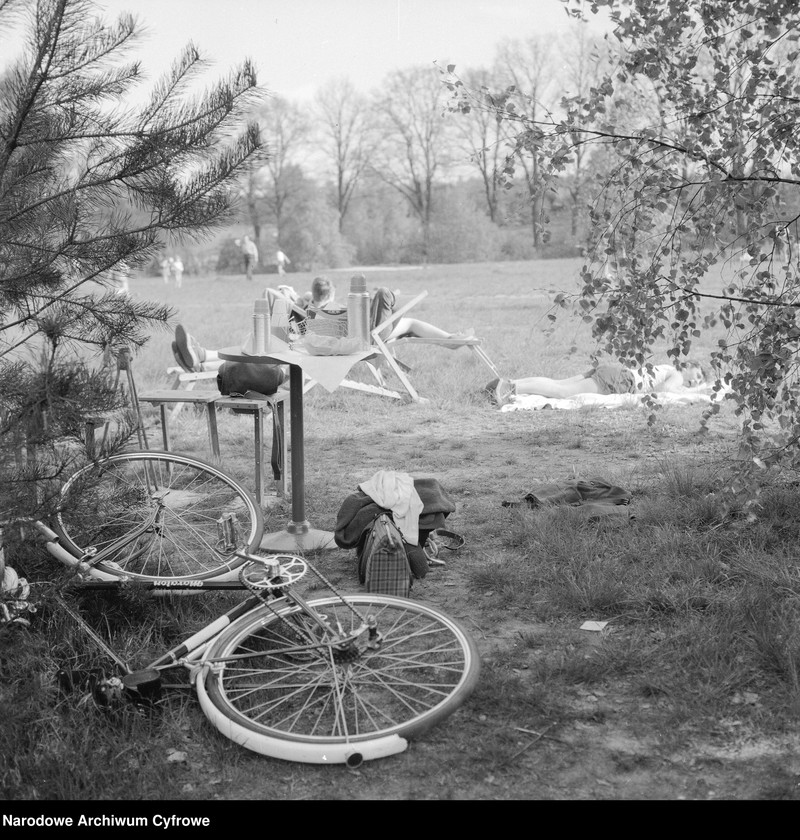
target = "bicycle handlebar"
x: 47, y: 532
x: 54, y: 546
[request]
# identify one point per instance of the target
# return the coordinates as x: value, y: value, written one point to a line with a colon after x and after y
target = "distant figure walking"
x: 164, y: 265
x: 120, y: 275
x: 282, y: 260
x: 176, y: 270
x: 249, y: 254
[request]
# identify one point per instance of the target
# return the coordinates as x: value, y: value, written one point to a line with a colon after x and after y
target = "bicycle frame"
x: 93, y: 578
x: 192, y: 654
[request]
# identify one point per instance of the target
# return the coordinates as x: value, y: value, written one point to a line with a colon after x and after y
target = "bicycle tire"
x: 102, y: 502
x: 322, y: 712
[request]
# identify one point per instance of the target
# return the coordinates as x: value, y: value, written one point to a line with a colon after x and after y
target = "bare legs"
x: 558, y: 389
x: 382, y: 307
x: 502, y: 391
x: 422, y: 329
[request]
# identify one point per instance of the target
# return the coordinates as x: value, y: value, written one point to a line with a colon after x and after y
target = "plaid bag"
x: 382, y: 561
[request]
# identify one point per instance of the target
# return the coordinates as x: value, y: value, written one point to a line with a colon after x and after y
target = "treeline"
x: 397, y: 176
x: 417, y: 171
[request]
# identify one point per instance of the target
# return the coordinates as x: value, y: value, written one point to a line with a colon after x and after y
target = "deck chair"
x: 385, y: 350
x: 387, y: 347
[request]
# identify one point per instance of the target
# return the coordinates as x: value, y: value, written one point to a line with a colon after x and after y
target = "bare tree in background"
x: 529, y: 68
x: 583, y: 62
x: 346, y: 128
x: 414, y: 146
x: 482, y: 137
x: 285, y: 129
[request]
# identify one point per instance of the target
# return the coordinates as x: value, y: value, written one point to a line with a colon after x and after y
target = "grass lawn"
x: 690, y: 692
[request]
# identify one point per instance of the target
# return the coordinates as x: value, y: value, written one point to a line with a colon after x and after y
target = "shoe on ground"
x: 488, y: 389
x: 500, y: 391
x: 505, y: 392
x: 187, y: 350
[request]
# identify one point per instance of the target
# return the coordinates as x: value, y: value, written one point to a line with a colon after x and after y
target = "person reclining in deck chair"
x: 382, y: 305
x: 603, y: 378
x: 193, y: 357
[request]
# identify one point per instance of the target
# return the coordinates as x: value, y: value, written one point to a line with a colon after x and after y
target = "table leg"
x: 299, y: 535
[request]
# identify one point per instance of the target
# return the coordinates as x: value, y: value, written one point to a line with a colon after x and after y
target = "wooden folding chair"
x: 257, y: 408
x: 185, y: 381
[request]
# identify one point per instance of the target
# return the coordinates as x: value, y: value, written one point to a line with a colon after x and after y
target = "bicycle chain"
x: 333, y: 589
x: 260, y: 593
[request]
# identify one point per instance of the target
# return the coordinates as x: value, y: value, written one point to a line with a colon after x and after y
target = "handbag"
x: 382, y: 560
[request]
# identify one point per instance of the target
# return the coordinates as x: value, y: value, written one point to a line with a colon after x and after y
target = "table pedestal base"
x: 297, y: 538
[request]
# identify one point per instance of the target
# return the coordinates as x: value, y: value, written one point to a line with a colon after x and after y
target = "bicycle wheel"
x: 323, y: 705
x: 181, y: 498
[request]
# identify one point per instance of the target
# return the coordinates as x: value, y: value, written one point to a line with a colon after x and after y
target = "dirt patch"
x: 607, y: 741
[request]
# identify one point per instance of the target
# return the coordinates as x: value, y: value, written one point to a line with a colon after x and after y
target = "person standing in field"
x: 164, y: 265
x: 282, y: 261
x: 249, y: 254
x: 120, y: 276
x: 176, y: 271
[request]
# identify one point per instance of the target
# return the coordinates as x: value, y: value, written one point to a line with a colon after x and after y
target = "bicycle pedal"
x: 108, y: 692
x: 143, y: 686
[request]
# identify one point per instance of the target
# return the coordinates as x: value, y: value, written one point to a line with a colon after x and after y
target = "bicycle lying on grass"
x: 336, y: 679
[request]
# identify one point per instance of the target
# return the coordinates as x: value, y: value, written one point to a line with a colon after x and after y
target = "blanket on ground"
x: 596, y: 497
x: 532, y: 402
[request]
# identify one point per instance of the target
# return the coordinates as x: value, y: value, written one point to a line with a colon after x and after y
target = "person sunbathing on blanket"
x: 603, y: 378
x: 193, y: 357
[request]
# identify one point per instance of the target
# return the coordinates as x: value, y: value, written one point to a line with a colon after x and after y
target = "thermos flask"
x: 358, y: 311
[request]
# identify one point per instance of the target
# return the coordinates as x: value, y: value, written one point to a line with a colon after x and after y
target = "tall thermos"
x: 358, y: 311
x: 261, y: 327
x: 280, y: 317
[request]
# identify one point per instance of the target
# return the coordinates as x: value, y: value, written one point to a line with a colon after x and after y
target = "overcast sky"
x: 299, y: 45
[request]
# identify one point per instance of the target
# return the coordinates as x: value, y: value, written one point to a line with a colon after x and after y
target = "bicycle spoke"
x: 183, y: 499
x: 415, y: 674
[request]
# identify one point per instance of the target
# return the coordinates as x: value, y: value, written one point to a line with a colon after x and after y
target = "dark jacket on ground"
x: 358, y: 511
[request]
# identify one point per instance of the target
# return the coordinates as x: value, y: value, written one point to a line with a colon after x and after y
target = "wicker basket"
x: 325, y: 334
x: 331, y: 323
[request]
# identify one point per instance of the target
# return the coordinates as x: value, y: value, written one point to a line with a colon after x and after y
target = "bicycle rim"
x: 103, y: 502
x: 426, y: 667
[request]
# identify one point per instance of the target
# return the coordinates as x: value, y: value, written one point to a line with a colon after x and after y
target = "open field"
x: 691, y: 692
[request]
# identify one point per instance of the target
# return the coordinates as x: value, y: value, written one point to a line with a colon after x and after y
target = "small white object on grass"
x: 594, y: 626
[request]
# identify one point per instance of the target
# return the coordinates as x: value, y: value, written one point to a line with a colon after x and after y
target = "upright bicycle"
x: 336, y: 679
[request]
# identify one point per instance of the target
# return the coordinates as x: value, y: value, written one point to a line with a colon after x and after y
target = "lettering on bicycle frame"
x: 198, y: 584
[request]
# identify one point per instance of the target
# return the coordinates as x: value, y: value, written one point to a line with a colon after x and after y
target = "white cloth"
x: 533, y: 402
x: 396, y: 492
x: 327, y: 371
